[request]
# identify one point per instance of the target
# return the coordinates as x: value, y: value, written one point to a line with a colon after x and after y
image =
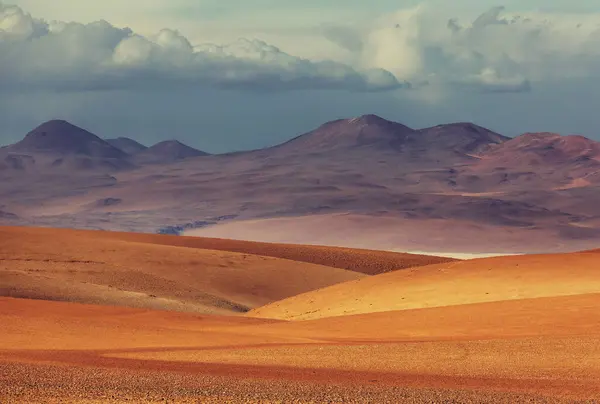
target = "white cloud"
x: 496, y: 52
x: 96, y: 56
x: 133, y: 50
x: 16, y: 24
x: 490, y: 81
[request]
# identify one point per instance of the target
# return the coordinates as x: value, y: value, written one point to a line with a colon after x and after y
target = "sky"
x: 226, y: 75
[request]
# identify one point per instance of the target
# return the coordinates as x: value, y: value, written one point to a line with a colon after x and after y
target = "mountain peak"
x: 344, y: 134
x: 53, y: 126
x: 170, y: 143
x: 168, y: 151
x: 369, y: 119
x: 464, y: 137
x: 61, y: 137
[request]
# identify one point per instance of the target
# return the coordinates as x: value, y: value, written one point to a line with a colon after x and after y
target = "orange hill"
x: 370, y: 262
x: 139, y: 270
x: 448, y: 284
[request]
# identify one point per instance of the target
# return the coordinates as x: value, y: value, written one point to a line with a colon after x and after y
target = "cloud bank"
x: 40, y: 55
x: 495, y: 51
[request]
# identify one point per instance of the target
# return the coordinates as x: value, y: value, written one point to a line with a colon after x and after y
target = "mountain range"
x: 360, y: 182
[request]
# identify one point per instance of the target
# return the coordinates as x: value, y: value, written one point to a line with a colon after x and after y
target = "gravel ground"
x: 34, y: 383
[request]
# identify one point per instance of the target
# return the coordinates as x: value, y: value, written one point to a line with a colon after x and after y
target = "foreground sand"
x: 534, y: 350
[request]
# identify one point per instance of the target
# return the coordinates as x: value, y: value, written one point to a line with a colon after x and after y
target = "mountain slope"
x: 127, y: 145
x: 367, y: 131
x: 58, y: 145
x: 374, y: 132
x: 545, y: 148
x: 464, y: 137
x: 166, y: 152
x: 63, y: 138
x: 535, y: 161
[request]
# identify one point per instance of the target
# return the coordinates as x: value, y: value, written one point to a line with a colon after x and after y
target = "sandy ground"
x: 505, y: 329
x: 51, y: 352
x: 67, y: 384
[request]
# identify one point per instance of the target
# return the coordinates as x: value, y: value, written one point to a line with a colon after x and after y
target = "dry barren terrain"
x: 506, y: 329
x: 523, y: 351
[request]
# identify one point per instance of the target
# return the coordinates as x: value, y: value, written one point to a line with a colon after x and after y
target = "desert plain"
x: 98, y: 316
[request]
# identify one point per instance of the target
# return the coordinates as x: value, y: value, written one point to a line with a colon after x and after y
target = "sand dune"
x: 448, y: 284
x: 131, y: 270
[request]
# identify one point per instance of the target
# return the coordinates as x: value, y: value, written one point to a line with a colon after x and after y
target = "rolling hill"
x: 129, y: 270
x: 448, y: 284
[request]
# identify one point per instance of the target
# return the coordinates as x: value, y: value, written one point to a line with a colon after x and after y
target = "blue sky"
x: 231, y: 74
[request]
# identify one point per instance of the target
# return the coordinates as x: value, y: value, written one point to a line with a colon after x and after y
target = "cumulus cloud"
x: 36, y: 54
x: 494, y: 52
x: 16, y: 24
x: 489, y: 81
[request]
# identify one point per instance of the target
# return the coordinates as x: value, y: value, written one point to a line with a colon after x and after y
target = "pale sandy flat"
x: 393, y: 233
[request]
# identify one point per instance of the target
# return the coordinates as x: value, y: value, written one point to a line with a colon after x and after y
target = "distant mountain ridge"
x: 60, y: 144
x: 442, y: 144
x: 437, y: 183
x: 366, y: 131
